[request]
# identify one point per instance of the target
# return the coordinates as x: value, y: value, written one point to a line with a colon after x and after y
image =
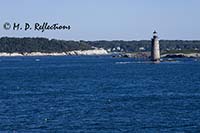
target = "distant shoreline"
x: 99, y: 51
x: 143, y: 55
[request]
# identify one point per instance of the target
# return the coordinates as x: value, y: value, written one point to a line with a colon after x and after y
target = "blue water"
x: 98, y: 95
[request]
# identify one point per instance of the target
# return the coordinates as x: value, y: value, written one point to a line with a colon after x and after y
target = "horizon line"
x: 109, y: 40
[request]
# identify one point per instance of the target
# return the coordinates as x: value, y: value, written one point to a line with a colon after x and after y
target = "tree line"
x: 44, y: 45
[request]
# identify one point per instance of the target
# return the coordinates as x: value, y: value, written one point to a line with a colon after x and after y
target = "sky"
x: 105, y: 19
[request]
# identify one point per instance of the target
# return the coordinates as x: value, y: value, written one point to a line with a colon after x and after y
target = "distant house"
x: 142, y: 49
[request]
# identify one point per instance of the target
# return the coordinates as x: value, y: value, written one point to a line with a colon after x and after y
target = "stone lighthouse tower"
x: 155, y: 48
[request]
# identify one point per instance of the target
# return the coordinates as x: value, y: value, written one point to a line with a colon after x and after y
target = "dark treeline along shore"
x: 44, y: 45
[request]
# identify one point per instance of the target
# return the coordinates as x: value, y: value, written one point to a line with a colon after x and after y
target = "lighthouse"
x: 155, y: 48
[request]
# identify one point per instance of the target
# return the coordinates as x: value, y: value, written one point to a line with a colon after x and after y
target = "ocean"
x: 98, y: 94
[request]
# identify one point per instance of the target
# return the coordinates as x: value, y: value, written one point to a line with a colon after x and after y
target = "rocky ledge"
x: 181, y: 55
x: 96, y: 51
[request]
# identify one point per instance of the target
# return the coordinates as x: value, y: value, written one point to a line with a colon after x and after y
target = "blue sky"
x: 105, y: 19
